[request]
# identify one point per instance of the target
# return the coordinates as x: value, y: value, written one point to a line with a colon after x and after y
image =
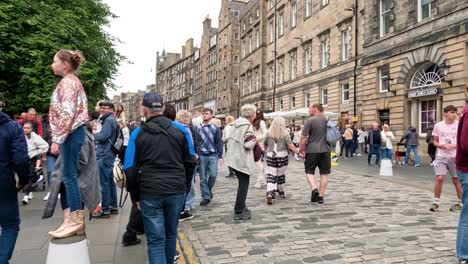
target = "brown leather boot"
x: 66, y: 219
x: 75, y: 226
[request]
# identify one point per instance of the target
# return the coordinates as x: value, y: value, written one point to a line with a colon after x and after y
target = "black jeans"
x: 135, y: 222
x: 431, y: 150
x: 348, y: 148
x: 241, y: 191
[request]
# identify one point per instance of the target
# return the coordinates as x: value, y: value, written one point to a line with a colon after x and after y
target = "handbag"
x: 257, y: 152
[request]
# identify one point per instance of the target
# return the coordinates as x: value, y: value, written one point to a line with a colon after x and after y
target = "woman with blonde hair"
x: 277, y: 145
x: 387, y: 137
x: 226, y: 132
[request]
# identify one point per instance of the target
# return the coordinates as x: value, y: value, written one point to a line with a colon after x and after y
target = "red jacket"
x: 36, y: 121
x: 462, y: 142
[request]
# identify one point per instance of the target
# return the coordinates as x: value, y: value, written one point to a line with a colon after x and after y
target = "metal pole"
x: 356, y: 11
x: 274, y: 67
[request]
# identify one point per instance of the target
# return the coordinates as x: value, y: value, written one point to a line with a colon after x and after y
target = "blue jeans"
x: 50, y: 167
x: 387, y: 153
x: 416, y: 155
x: 208, y: 173
x: 161, y: 218
x: 10, y: 225
x: 190, y: 197
x: 108, y: 188
x: 462, y: 235
x: 374, y: 150
x: 70, y: 151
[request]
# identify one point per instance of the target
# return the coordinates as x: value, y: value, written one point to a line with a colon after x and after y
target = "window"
x: 236, y: 58
x: 385, y: 16
x: 293, y: 102
x: 257, y: 81
x: 281, y: 72
x: 307, y: 100
x: 324, y: 96
x: 293, y: 65
x: 250, y: 44
x: 281, y: 104
x: 236, y: 81
x: 427, y: 114
x: 250, y: 83
x: 257, y: 39
x: 257, y: 12
x: 424, y: 9
x: 384, y: 75
x: 281, y: 24
x: 293, y: 15
x: 325, y: 52
x: 308, y: 60
x: 243, y: 49
x: 324, y: 2
x: 272, y: 2
x: 345, y: 93
x: 250, y: 20
x: 270, y: 75
x: 272, y: 32
x: 308, y: 8
x: 345, y: 45
x: 236, y: 35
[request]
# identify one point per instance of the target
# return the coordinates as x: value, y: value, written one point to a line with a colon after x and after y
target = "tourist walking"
x: 362, y: 135
x: 210, y: 153
x: 461, y: 161
x: 13, y: 159
x: 159, y: 171
x: 277, y: 145
x: 315, y: 148
x: 445, y: 139
x: 260, y: 133
x: 348, y: 141
x: 374, y: 141
x: 226, y: 132
x: 411, y: 139
x: 387, y: 145
x: 240, y: 157
x: 68, y: 115
x: 431, y: 149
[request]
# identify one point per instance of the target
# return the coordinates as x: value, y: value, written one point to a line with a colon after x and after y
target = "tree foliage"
x: 31, y: 32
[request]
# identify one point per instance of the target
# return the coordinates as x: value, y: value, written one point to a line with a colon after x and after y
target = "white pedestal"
x: 71, y: 250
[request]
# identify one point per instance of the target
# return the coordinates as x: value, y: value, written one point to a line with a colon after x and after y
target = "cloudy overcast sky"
x: 147, y: 26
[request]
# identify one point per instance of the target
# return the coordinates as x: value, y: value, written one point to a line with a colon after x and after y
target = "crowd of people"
x: 163, y: 156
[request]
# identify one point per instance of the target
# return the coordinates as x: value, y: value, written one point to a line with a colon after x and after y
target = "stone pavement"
x: 365, y: 219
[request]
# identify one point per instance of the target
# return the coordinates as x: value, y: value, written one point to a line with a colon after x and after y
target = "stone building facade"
x: 415, y: 62
x: 209, y: 66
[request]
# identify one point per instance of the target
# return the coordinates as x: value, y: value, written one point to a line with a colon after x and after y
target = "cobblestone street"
x: 365, y: 219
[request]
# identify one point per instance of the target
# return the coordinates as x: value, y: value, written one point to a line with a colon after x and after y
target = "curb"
x: 184, y: 247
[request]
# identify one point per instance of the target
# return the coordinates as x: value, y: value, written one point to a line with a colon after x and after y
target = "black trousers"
x: 135, y: 221
x: 431, y: 150
x: 242, y: 190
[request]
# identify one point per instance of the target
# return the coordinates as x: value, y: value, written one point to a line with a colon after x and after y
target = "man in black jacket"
x: 159, y: 171
x: 13, y: 158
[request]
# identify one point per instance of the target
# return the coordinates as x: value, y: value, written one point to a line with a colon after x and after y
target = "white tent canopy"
x: 296, y: 114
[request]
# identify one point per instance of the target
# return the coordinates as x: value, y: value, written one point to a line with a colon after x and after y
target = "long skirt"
x: 277, y: 164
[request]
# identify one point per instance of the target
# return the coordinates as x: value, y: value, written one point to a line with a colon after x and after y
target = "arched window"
x: 429, y: 74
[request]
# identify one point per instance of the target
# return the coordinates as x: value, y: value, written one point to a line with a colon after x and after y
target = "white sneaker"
x: 30, y: 196
x: 46, y: 197
x: 417, y: 165
x: 40, y: 179
x: 59, y: 196
x: 25, y: 200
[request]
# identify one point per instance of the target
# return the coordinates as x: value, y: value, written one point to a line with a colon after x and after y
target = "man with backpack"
x: 105, y: 140
x: 317, y: 151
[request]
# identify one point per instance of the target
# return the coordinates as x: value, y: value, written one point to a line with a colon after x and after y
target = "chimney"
x: 183, y: 52
x: 189, y: 47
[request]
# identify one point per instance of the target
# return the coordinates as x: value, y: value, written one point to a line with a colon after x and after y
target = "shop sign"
x: 423, y: 92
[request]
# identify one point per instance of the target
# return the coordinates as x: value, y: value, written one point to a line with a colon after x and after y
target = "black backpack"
x: 117, y: 145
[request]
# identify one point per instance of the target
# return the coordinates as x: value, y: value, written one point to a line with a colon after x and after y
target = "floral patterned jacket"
x: 68, y: 108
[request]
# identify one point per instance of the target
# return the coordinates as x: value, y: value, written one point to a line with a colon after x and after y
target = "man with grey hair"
x: 374, y: 141
x: 240, y: 157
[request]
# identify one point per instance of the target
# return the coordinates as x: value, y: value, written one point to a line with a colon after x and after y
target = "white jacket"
x: 241, y: 142
x: 36, y: 145
x: 387, y: 137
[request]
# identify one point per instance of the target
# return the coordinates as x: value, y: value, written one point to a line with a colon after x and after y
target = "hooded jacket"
x: 240, y: 145
x: 411, y: 137
x: 158, y: 162
x: 106, y: 137
x: 13, y: 157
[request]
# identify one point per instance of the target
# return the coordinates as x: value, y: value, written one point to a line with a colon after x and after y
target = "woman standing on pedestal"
x: 68, y: 115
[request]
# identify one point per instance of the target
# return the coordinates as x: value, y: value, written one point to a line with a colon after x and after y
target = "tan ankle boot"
x: 66, y: 219
x: 75, y: 226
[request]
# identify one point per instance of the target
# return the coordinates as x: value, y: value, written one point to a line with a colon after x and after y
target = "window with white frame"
x: 250, y: 20
x: 243, y: 49
x: 385, y: 16
x: 270, y: 75
x: 293, y: 102
x: 384, y: 75
x: 324, y: 2
x: 308, y: 59
x: 324, y: 95
x: 324, y: 46
x: 257, y: 12
x: 249, y: 83
x: 257, y: 81
x: 281, y: 105
x: 424, y: 9
x: 293, y: 15
x: 257, y: 38
x: 281, y: 71
x: 344, y: 92
x: 427, y: 114
x: 293, y: 65
x: 307, y: 100
x: 308, y: 8
x: 272, y: 32
x: 272, y: 3
x: 281, y: 25
x: 345, y: 45
x: 250, y: 44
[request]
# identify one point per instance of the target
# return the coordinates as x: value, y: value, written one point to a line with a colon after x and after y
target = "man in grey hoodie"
x: 412, y: 143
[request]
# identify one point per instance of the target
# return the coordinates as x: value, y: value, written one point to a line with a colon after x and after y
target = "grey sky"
x: 147, y: 26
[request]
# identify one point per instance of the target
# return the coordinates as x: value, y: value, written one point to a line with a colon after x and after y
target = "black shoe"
x: 314, y: 196
x: 245, y: 215
x: 114, y: 211
x: 204, y: 202
x: 140, y: 233
x: 282, y: 194
x: 130, y: 239
x: 186, y: 215
x: 320, y: 200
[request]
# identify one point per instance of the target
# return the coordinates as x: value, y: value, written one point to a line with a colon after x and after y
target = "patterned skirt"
x: 277, y: 164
